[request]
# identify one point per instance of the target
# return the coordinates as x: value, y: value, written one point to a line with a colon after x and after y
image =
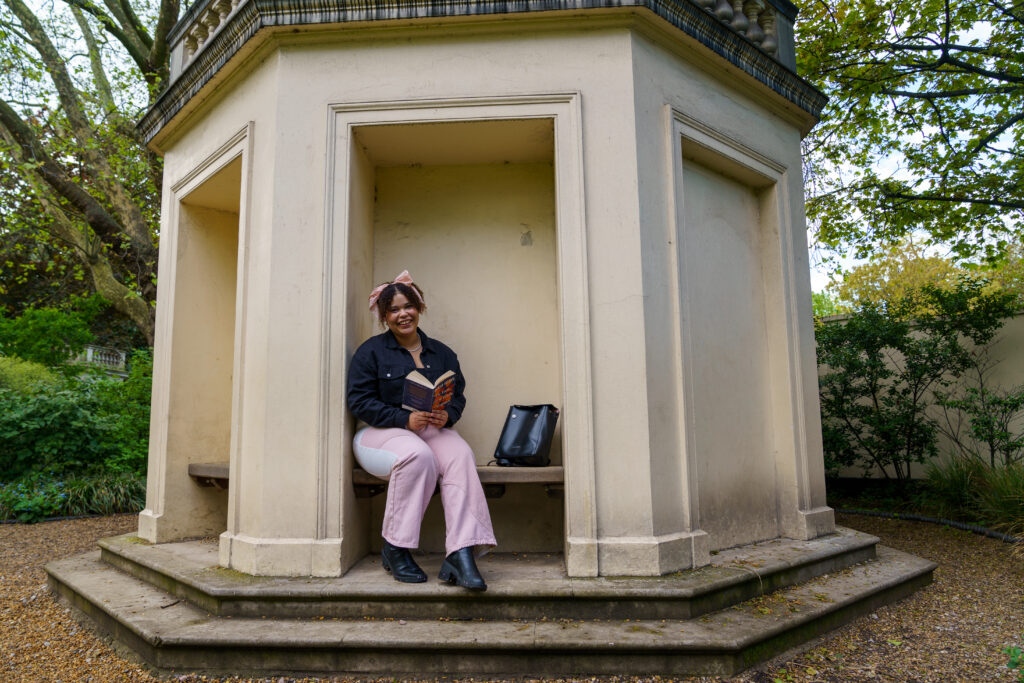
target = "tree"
x: 75, y: 178
x: 888, y: 362
x: 825, y: 305
x: 903, y: 270
x: 924, y: 130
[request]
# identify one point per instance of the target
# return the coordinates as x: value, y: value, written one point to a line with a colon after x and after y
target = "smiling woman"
x: 416, y: 450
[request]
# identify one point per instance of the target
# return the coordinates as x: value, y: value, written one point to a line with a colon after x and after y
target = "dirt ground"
x: 954, y: 630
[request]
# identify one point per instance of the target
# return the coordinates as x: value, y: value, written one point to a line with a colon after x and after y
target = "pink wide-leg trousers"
x: 413, y: 463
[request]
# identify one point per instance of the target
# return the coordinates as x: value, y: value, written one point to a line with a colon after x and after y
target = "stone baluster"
x: 770, y: 44
x: 199, y: 32
x: 739, y: 19
x: 223, y: 8
x: 723, y: 10
x: 212, y: 21
x: 752, y: 8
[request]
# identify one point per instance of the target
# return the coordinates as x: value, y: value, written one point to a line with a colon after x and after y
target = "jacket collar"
x: 392, y: 343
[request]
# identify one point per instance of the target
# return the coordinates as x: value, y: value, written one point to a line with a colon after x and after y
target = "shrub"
x: 994, y: 430
x: 1001, y: 498
x: 971, y: 490
x: 105, y: 494
x: 24, y: 376
x: 883, y: 372
x: 56, y: 431
x: 874, y: 395
x: 45, y: 335
x: 952, y: 488
x: 125, y: 407
x: 31, y: 499
x: 78, y: 426
x: 36, y: 497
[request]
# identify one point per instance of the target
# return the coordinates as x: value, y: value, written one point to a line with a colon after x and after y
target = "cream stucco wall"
x: 191, y: 420
x: 481, y: 241
x: 589, y: 247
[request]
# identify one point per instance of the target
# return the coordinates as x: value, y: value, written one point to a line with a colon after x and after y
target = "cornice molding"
x: 252, y: 16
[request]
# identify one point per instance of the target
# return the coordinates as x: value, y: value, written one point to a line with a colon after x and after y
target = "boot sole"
x: 451, y: 577
x: 414, y: 579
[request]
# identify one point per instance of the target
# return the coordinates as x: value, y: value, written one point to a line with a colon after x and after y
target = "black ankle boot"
x: 460, y: 568
x: 399, y: 562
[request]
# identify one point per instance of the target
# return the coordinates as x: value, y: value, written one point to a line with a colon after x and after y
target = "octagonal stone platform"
x: 173, y: 606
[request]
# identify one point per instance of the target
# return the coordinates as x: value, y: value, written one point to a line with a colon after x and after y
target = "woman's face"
x: 402, y: 317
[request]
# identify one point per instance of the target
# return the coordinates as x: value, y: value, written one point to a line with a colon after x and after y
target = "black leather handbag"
x: 525, y: 439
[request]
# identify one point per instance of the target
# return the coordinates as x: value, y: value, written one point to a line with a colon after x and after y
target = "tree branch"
x: 95, y: 61
x: 963, y: 92
x: 32, y: 150
x: 996, y: 133
x: 953, y: 199
x: 137, y: 26
x: 158, y: 54
x: 132, y: 223
x: 131, y: 43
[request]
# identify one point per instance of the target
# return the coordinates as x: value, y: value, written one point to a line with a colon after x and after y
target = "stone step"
x: 173, y: 635
x: 521, y: 586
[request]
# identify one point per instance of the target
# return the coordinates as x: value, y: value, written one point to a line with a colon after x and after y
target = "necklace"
x: 414, y: 349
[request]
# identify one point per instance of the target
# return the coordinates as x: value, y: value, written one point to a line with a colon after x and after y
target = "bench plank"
x: 217, y: 474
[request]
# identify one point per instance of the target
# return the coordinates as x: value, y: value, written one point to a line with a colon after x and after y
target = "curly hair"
x: 411, y: 292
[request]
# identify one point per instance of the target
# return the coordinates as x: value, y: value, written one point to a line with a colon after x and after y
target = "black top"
x: 377, y: 373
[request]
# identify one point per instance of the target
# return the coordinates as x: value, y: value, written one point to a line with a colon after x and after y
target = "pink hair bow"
x: 403, y: 277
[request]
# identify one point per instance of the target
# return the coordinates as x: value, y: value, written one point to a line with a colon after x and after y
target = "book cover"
x: 422, y: 394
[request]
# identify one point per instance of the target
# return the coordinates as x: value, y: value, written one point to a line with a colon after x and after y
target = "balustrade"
x: 753, y: 19
x: 206, y: 24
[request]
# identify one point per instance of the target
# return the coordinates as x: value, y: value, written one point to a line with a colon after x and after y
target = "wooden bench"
x: 493, y: 478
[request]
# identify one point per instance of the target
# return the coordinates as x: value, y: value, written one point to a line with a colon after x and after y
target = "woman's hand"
x: 439, y: 418
x: 419, y: 420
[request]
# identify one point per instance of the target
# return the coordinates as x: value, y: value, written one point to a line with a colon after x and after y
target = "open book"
x: 422, y: 394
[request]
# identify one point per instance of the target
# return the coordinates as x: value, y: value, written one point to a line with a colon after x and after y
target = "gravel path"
x: 954, y: 630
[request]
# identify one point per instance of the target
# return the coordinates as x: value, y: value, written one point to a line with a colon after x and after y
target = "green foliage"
x: 46, y: 335
x: 994, y: 428
x: 125, y: 407
x: 31, y: 500
x: 923, y: 129
x: 901, y: 269
x: 24, y: 376
x: 105, y: 494
x: 1016, y: 661
x: 1001, y: 497
x: 57, y: 432
x: 952, y: 488
x: 79, y: 190
x: 824, y: 305
x: 36, y: 497
x: 882, y: 373
x: 80, y: 426
x: 872, y: 407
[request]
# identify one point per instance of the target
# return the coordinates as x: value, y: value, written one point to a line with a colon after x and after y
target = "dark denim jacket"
x: 377, y: 373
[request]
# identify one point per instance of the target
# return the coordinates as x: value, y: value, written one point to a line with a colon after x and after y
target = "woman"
x: 416, y: 450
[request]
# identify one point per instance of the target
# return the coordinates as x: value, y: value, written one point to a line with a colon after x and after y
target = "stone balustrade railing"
x: 111, y: 359
x: 752, y: 19
x: 754, y: 35
x: 756, y: 20
x: 205, y: 25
